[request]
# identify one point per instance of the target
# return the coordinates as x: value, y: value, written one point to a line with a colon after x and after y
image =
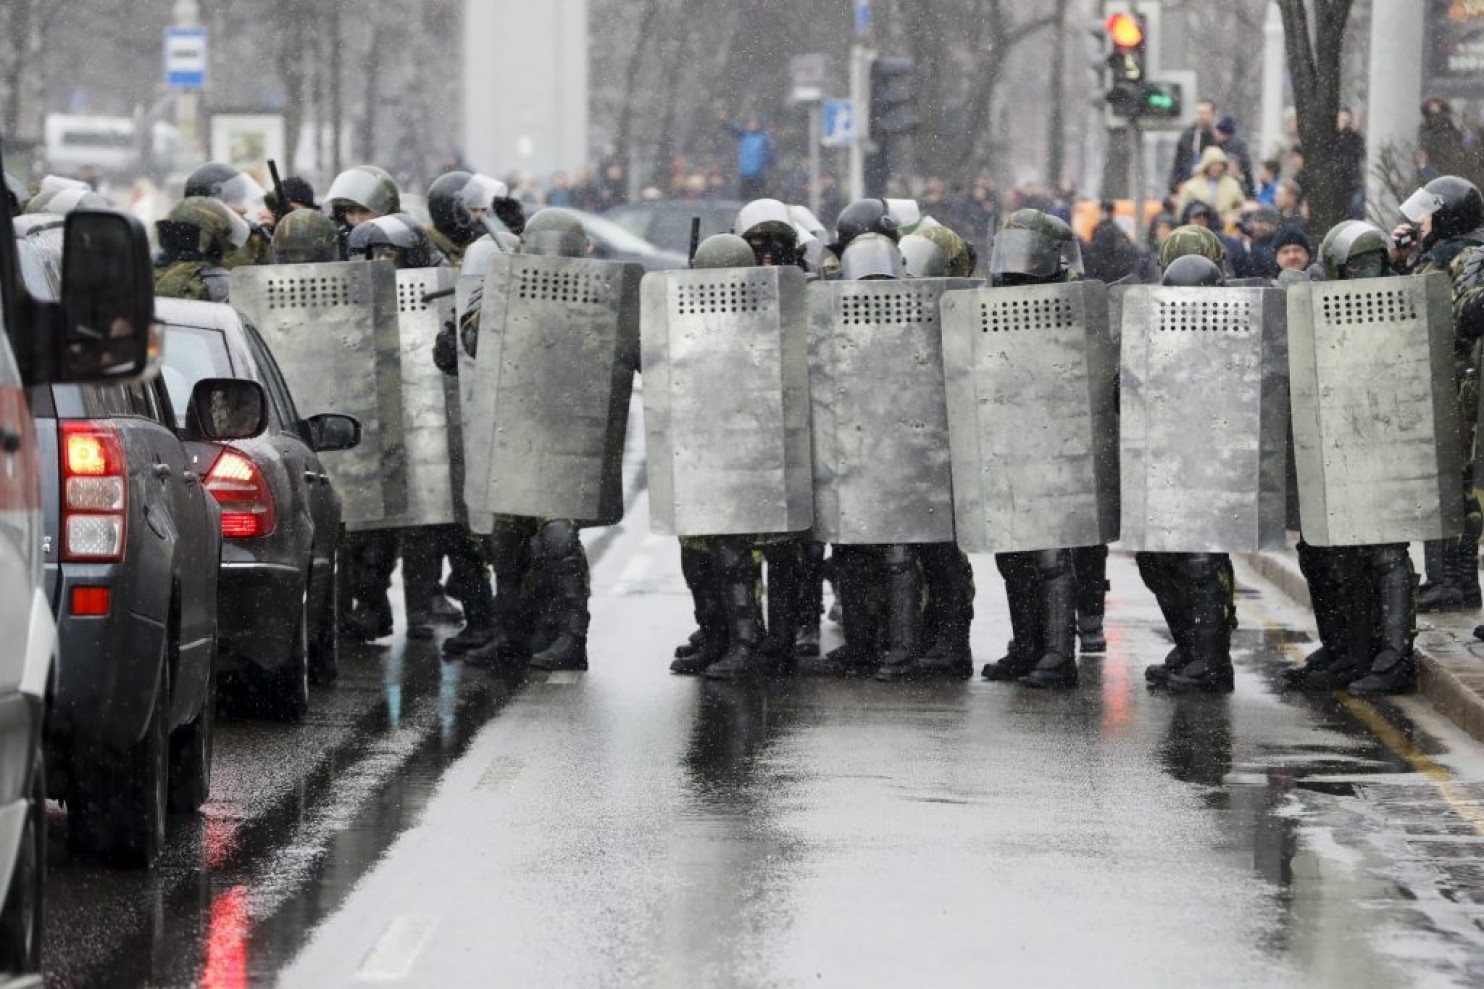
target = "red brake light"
x: 95, y: 490
x: 239, y: 487
x: 90, y: 601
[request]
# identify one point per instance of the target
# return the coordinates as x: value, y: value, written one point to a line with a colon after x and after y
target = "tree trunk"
x: 1056, y: 131
x: 1314, y: 68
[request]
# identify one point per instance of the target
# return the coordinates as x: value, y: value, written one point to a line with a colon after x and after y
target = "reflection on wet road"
x: 626, y: 827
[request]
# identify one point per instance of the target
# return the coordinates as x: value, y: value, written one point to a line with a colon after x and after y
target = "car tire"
x: 191, y: 747
x: 324, y: 663
x: 117, y: 804
x: 21, y: 917
x: 283, y: 694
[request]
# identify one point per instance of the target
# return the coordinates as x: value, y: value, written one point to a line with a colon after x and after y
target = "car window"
x: 278, y: 389
x: 143, y: 402
x: 191, y: 353
x: 106, y: 401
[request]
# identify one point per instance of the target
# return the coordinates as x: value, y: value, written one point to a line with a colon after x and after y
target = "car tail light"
x: 91, y: 601
x: 239, y: 487
x: 95, y: 492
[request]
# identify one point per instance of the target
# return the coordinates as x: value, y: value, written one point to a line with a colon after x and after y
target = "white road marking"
x: 501, y: 773
x: 392, y: 956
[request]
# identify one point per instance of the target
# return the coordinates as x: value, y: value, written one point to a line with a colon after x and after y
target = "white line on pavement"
x: 392, y: 956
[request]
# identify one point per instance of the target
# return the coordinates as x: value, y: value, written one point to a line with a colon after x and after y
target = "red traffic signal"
x: 1125, y: 31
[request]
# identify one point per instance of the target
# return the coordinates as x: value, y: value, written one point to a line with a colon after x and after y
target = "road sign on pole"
x: 839, y: 124
x: 809, y: 73
x: 863, y: 18
x: 185, y: 57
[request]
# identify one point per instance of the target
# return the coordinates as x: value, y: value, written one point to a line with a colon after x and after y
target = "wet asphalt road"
x: 432, y: 825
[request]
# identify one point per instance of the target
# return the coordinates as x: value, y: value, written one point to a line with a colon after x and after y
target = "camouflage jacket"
x: 453, y: 252
x: 198, y: 280
x: 257, y: 250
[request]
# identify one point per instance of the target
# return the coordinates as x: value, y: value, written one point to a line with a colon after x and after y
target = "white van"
x: 110, y: 144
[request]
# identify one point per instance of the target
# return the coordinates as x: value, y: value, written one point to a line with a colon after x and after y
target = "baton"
x: 280, y: 197
x: 695, y: 238
x: 442, y: 293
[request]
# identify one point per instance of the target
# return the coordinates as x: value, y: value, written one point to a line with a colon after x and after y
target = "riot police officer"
x: 1360, y: 593
x: 483, y: 196
x: 244, y: 196
x: 194, y: 238
x: 1195, y: 591
x: 1035, y: 248
x: 1444, y: 232
x: 305, y: 236
x: 541, y: 571
x: 454, y: 227
x: 358, y: 194
x: 722, y: 571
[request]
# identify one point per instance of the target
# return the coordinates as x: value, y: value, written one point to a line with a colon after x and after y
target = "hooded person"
x: 1213, y: 185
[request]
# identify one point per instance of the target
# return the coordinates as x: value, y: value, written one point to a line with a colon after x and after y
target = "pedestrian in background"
x: 1213, y: 186
x: 1194, y: 140
x: 1350, y: 159
x: 1239, y: 159
x: 754, y: 157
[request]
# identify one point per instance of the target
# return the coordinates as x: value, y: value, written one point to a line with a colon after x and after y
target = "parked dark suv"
x: 276, y: 612
x: 131, y: 552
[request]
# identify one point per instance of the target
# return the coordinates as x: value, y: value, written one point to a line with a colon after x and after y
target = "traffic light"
x: 893, y: 97
x: 1127, y: 60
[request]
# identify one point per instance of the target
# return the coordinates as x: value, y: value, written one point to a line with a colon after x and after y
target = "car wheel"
x: 21, y: 917
x: 284, y: 693
x: 190, y: 755
x: 324, y: 664
x: 117, y: 803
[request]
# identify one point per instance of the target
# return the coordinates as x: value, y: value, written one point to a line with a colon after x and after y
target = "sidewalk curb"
x: 1456, y: 691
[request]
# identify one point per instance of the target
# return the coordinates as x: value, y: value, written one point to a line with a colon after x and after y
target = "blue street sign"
x: 862, y: 18
x: 838, y: 125
x: 185, y: 57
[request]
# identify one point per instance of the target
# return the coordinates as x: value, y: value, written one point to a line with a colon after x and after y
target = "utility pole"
x: 816, y: 126
x: 187, y: 13
x: 860, y: 96
x: 337, y: 104
x: 1057, y: 130
x: 1395, y: 89
x: 1273, y: 73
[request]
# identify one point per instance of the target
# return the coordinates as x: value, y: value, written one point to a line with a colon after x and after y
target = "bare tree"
x: 1315, y: 66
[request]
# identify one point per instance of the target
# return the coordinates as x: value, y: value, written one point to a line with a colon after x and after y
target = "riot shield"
x: 1032, y: 376
x: 1204, y: 419
x: 1375, y: 412
x: 470, y: 446
x: 726, y: 401
x: 426, y: 391
x: 882, y: 470
x: 332, y: 329
x: 558, y: 348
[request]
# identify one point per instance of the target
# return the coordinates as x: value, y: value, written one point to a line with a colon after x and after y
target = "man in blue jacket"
x: 754, y: 158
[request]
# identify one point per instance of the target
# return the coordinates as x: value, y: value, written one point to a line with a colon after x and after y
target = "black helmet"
x: 398, y: 235
x: 864, y: 216
x: 1193, y: 271
x: 446, y: 207
x: 1453, y: 203
x: 218, y: 180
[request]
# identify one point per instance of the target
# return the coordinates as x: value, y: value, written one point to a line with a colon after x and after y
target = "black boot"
x: 470, y: 583
x: 371, y: 557
x: 1057, y: 665
x: 1324, y: 572
x: 949, y: 578
x: 509, y: 554
x: 443, y: 611
x: 1439, y: 592
x: 1393, y: 670
x: 903, y: 614
x: 1210, y: 666
x: 811, y: 601
x: 422, y: 566
x: 1023, y: 595
x: 737, y: 575
x: 1156, y: 570
x: 558, y: 555
x: 1466, y: 572
x: 855, y: 570
x: 787, y: 570
x: 368, y: 621
x: 711, y: 637
x: 1090, y: 563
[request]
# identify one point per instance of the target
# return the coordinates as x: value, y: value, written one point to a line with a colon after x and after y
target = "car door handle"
x: 10, y: 439
x: 191, y: 477
x: 310, y: 476
x: 162, y: 471
x: 324, y: 479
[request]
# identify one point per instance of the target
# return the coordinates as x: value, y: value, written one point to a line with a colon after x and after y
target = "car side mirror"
x: 223, y: 409
x: 331, y: 431
x: 108, y: 299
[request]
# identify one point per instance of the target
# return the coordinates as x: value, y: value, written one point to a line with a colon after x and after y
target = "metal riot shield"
x: 474, y: 442
x: 726, y: 401
x: 333, y: 330
x: 1204, y: 419
x: 1375, y: 412
x: 882, y: 471
x: 1032, y: 376
x: 558, y: 348
x: 426, y: 395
